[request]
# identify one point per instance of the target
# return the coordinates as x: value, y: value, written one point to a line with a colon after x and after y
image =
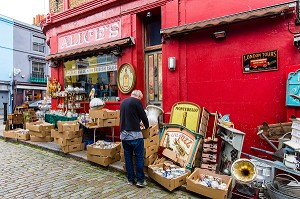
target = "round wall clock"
x: 126, y: 78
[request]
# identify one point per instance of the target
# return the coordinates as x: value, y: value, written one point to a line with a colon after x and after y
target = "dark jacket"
x: 131, y: 113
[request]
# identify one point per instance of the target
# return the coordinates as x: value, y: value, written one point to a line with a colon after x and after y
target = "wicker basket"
x: 276, y: 194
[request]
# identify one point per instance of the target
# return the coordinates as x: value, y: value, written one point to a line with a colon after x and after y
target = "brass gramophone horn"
x: 244, y: 171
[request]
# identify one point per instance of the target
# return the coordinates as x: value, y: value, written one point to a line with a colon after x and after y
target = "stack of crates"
x: 40, y: 131
x: 68, y: 136
x: 151, y: 144
x: 105, y: 117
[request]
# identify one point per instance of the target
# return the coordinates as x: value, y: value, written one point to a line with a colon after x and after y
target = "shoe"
x: 130, y: 183
x: 141, y: 184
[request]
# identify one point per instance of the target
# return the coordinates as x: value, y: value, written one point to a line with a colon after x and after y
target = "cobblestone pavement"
x: 28, y: 172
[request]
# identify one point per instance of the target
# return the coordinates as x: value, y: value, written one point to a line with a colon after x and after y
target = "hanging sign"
x: 261, y: 61
x: 126, y: 78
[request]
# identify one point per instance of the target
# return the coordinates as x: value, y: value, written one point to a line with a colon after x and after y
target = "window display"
x: 98, y: 72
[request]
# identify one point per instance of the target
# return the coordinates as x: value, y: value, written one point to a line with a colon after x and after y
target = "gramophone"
x: 244, y: 172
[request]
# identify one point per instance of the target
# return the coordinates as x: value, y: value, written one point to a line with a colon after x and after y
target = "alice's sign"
x: 88, y: 37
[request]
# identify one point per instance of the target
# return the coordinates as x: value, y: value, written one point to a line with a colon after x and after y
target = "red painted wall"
x: 209, y: 71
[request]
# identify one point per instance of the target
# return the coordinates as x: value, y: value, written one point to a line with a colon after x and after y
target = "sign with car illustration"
x: 261, y: 61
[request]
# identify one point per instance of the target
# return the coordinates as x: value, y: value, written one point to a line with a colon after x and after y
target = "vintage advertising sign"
x: 261, y: 61
x: 87, y: 37
x: 126, y: 78
x: 181, y: 141
x: 293, y: 89
x: 186, y: 114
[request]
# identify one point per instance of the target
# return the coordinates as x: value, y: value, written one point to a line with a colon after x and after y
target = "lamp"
x: 172, y: 63
x: 53, y: 64
x: 220, y: 34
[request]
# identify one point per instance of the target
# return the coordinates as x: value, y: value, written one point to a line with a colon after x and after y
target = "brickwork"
x: 28, y: 172
x: 56, y: 6
x: 75, y: 3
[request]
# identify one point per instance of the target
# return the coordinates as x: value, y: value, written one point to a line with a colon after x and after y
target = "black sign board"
x: 262, y: 61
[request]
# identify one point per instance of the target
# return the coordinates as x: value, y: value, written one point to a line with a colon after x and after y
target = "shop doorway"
x: 153, y: 71
x: 3, y: 99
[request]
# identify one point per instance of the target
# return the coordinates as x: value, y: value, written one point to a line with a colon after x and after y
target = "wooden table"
x: 95, y: 127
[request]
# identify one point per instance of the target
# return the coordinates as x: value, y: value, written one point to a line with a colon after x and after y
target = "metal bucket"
x: 284, y: 187
x: 276, y: 194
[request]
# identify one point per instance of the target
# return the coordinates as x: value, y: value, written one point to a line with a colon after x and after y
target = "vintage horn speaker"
x: 153, y: 112
x: 244, y: 172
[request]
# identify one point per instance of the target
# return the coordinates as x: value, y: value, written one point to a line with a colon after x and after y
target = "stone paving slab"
x: 29, y: 172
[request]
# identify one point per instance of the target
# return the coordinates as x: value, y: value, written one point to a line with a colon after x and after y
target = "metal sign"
x: 186, y: 114
x: 183, y: 142
x: 261, y: 61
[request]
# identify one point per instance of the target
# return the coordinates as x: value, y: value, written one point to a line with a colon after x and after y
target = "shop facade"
x: 181, y: 51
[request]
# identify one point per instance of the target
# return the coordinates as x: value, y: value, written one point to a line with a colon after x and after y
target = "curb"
x: 68, y: 155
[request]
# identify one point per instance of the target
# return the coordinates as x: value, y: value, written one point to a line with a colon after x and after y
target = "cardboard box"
x: 99, y: 122
x: 10, y: 134
x: 68, y: 126
x: 122, y: 157
x: 39, y: 126
x: 39, y: 133
x: 66, y: 134
x: 104, y: 152
x: 169, y: 184
x: 151, y: 141
x: 67, y: 142
x: 149, y: 160
x: 109, y: 122
x: 40, y: 139
x: 150, y: 150
x: 104, y: 161
x: 150, y: 132
x: 72, y: 148
x: 207, y: 191
x: 104, y: 113
x: 22, y: 136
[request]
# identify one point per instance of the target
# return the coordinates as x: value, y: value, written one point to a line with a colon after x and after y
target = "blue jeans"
x: 136, y: 146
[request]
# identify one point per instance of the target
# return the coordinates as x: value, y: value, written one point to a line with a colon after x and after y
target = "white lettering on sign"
x: 96, y: 35
x: 97, y: 69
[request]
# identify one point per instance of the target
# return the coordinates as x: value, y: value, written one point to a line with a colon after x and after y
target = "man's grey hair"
x: 136, y: 93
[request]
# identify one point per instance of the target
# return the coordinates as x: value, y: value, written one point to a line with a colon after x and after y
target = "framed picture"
x: 261, y: 61
x: 126, y: 78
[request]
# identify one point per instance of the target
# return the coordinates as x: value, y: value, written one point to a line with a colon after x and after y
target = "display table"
x: 51, y: 118
x: 95, y: 127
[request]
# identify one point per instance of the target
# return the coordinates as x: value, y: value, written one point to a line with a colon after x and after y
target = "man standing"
x: 131, y: 115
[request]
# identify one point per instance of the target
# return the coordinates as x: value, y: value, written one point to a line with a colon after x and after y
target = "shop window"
x: 152, y: 30
x: 94, y: 72
x: 38, y: 69
x: 38, y: 44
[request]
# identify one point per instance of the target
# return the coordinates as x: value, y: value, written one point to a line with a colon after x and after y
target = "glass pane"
x: 153, y: 33
x: 94, y: 72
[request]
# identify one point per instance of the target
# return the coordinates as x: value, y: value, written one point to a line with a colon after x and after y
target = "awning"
x: 105, y: 47
x: 279, y: 9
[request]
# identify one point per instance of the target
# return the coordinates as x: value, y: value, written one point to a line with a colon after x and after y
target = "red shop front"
x: 181, y: 51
